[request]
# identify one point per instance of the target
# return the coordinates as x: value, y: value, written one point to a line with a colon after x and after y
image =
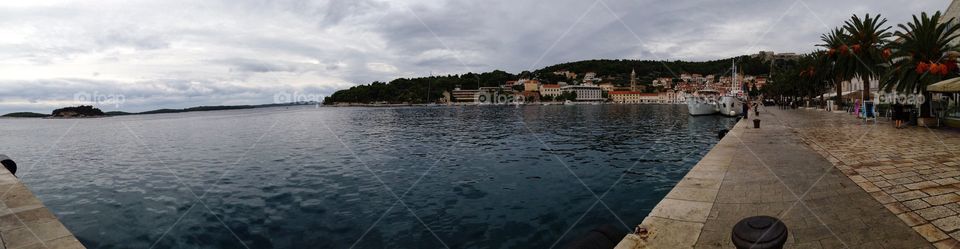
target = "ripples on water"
x: 486, y: 177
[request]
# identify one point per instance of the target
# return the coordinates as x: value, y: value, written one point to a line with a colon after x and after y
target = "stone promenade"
x: 784, y: 170
x: 914, y: 172
x: 25, y: 222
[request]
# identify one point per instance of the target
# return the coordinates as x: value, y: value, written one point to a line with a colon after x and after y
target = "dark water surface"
x: 468, y: 177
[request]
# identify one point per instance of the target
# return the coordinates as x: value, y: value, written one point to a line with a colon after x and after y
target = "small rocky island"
x: 83, y: 111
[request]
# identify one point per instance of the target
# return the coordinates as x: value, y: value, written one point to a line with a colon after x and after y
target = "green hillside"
x: 429, y: 89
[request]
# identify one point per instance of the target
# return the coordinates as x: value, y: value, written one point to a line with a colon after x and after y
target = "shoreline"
x: 503, y: 104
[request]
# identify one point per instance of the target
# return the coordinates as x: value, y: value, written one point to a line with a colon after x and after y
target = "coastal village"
x: 589, y: 87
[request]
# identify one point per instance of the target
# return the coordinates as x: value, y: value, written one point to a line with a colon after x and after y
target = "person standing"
x: 756, y: 108
x: 897, y: 114
x: 746, y: 109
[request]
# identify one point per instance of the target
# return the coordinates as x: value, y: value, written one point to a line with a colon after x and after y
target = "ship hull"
x: 730, y: 106
x: 697, y: 108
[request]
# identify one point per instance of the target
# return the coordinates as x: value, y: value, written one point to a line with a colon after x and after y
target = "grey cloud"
x: 178, y: 53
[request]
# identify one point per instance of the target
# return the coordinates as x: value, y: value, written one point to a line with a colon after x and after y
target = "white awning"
x: 946, y: 86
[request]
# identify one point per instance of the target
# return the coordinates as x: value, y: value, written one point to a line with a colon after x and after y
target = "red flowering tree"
x: 919, y: 56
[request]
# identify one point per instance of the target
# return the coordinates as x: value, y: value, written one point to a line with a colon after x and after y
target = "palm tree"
x: 836, y: 59
x: 866, y: 39
x: 918, y: 56
x: 814, y: 75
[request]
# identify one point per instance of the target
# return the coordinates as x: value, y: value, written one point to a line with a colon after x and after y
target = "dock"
x: 827, y: 176
x: 25, y: 222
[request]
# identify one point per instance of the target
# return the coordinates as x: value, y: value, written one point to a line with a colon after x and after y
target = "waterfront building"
x: 585, y: 92
x: 625, y: 97
x: 531, y: 85
x: 666, y: 96
x: 649, y: 98
x: 552, y: 90
x: 465, y: 96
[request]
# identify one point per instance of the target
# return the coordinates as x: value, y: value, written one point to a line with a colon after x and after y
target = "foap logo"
x: 497, y: 98
x: 296, y: 97
x: 904, y: 99
x: 99, y: 99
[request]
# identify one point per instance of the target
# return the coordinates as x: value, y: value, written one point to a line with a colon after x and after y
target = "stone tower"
x: 633, y: 79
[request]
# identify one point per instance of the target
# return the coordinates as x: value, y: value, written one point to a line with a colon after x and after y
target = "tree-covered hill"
x: 430, y: 89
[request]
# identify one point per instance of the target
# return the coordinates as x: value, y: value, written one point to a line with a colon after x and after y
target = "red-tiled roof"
x: 624, y: 92
x: 551, y: 86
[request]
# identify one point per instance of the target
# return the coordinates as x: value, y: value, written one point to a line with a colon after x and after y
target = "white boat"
x: 703, y: 102
x: 568, y: 102
x: 731, y: 104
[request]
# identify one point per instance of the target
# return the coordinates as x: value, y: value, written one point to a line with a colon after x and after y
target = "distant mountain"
x: 89, y: 111
x: 430, y: 89
x: 118, y: 113
x: 25, y: 115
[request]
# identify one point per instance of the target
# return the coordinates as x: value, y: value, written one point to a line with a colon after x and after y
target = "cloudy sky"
x: 178, y: 53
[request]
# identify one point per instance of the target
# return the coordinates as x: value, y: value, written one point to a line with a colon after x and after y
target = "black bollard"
x: 756, y: 123
x: 759, y: 232
x: 602, y: 237
x: 9, y: 164
x: 722, y: 133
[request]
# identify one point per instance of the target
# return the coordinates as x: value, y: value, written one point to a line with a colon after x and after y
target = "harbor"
x: 834, y: 180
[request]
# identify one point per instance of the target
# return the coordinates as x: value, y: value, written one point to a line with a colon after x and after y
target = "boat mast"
x: 733, y: 74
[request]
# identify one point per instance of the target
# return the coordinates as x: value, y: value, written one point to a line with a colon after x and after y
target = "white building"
x: 585, y: 92
x: 649, y: 98
x: 589, y: 77
x: 666, y: 97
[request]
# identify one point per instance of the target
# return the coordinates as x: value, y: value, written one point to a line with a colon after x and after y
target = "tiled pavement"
x: 764, y: 172
x: 25, y: 222
x: 914, y: 172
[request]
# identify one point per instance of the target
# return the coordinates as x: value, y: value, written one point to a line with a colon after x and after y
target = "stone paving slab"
x: 25, y: 222
x: 773, y: 171
x: 914, y: 172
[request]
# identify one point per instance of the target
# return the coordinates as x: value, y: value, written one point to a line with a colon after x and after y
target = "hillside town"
x: 588, y: 87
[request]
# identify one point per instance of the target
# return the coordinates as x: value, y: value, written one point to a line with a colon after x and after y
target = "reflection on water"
x: 478, y: 177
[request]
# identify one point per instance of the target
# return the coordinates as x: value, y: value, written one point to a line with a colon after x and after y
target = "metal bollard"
x: 759, y: 232
x: 602, y: 237
x: 9, y: 164
x: 756, y: 123
x: 722, y: 133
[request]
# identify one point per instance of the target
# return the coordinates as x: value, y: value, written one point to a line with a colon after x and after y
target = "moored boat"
x: 703, y: 102
x: 730, y: 104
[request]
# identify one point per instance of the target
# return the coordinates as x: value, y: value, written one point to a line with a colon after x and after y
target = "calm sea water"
x: 305, y: 177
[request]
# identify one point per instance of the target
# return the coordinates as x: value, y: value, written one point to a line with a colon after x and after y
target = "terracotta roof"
x: 624, y: 92
x: 551, y: 86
